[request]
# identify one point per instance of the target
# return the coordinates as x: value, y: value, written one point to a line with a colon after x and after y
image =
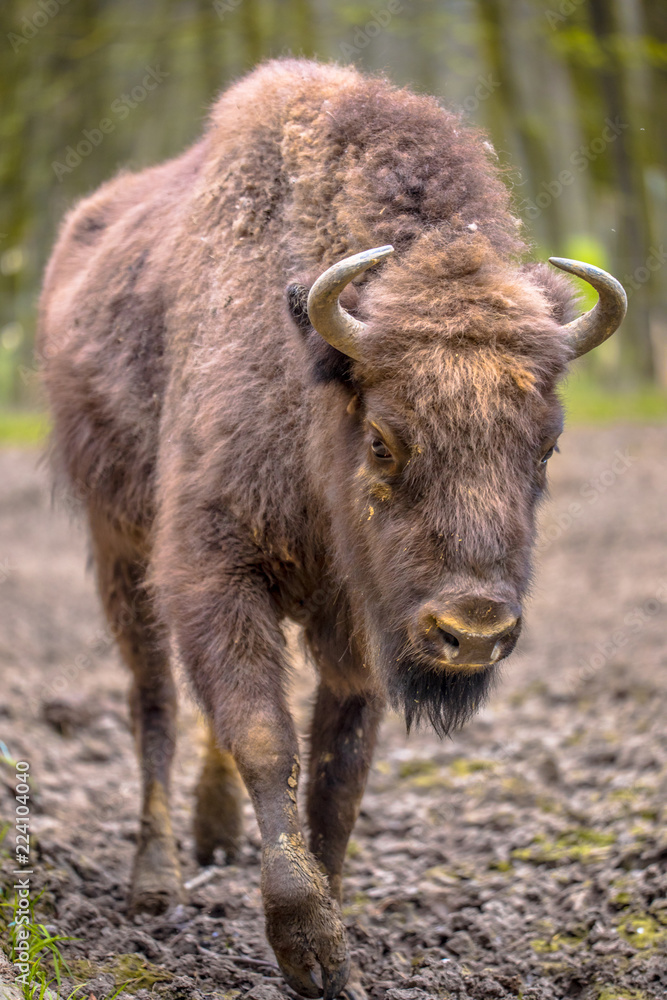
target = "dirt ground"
x: 525, y: 858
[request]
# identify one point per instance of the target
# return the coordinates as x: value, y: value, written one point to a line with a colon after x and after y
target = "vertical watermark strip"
x: 21, y: 922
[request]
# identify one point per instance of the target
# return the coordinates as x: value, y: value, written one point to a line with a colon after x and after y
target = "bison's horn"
x: 331, y: 321
x: 595, y: 326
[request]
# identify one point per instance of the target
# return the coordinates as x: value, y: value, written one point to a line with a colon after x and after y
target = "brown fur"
x: 226, y: 447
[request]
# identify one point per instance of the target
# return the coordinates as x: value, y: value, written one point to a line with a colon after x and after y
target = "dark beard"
x: 425, y: 693
x: 446, y: 699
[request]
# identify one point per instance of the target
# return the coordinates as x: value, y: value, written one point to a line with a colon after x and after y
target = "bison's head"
x: 444, y: 415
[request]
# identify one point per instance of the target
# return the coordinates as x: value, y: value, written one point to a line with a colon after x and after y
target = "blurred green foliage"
x: 22, y: 428
x: 589, y: 402
x: 570, y: 91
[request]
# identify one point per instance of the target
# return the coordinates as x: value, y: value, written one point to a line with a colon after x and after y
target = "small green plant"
x: 130, y: 971
x: 45, y: 959
x: 5, y: 755
x: 577, y: 844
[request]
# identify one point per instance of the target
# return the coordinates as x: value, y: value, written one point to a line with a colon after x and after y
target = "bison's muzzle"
x: 467, y: 633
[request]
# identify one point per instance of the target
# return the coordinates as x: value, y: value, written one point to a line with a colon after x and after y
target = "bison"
x: 300, y: 373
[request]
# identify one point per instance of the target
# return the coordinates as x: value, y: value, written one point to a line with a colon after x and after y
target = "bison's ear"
x: 328, y: 364
x: 558, y: 290
x: 297, y: 303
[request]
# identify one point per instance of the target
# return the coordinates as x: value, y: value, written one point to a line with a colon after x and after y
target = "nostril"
x: 450, y: 639
x: 468, y: 633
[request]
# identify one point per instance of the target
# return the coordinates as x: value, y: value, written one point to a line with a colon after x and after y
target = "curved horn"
x: 595, y: 326
x: 331, y: 321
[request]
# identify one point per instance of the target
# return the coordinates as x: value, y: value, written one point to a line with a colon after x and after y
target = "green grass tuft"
x: 130, y: 971
x: 45, y: 957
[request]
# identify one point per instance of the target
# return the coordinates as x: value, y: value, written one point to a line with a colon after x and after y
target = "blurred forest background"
x: 571, y: 92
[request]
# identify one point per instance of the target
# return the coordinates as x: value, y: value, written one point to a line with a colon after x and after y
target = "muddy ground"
x: 527, y: 857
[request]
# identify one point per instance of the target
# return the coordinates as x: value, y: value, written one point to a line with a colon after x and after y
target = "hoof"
x: 155, y: 900
x: 218, y: 820
x: 354, y: 992
x: 156, y: 879
x: 206, y: 842
x: 353, y: 989
x: 217, y: 828
x: 303, y: 924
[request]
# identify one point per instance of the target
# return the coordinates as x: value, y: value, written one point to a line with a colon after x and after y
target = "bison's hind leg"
x: 121, y: 565
x: 218, y: 811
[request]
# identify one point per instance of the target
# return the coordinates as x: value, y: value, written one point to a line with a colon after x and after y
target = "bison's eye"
x: 547, y: 455
x: 380, y: 450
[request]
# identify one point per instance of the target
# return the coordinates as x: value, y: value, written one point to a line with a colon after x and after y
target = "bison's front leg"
x: 302, y: 919
x: 216, y: 598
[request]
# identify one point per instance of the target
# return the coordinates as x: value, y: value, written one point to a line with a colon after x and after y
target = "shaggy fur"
x: 201, y: 418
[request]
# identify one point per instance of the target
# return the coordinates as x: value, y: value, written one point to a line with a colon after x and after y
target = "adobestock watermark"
x: 30, y: 25
x: 42, y: 355
x: 632, y: 624
x: 6, y: 569
x: 120, y: 109
x: 580, y: 160
x: 67, y: 678
x: 20, y: 925
x: 223, y: 7
x: 565, y: 9
x: 513, y: 176
x: 486, y: 86
x: 590, y: 492
x: 642, y: 274
x: 377, y: 23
